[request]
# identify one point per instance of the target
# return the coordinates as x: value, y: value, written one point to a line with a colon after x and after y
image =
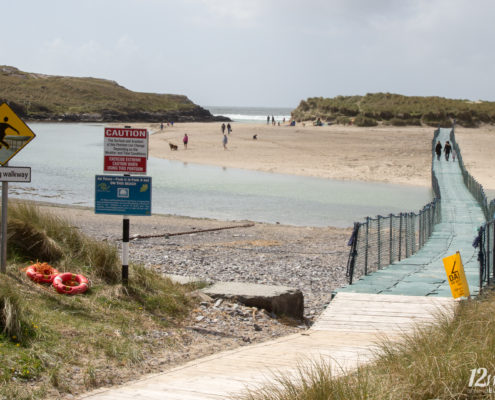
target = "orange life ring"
x: 41, y: 272
x: 69, y: 283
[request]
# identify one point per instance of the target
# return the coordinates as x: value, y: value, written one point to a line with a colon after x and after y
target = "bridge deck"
x: 423, y: 273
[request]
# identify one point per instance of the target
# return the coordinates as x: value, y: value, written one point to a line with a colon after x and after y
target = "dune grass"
x: 396, y: 110
x: 433, y: 362
x: 52, y: 343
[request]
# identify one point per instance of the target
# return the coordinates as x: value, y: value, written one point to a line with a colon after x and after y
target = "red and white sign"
x: 126, y: 150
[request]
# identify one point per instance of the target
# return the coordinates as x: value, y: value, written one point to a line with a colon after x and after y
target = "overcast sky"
x: 259, y: 52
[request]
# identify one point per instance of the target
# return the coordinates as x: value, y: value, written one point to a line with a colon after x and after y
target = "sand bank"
x: 382, y: 154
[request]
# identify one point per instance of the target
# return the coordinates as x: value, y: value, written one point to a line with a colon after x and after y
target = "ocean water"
x: 252, y: 114
x: 65, y: 158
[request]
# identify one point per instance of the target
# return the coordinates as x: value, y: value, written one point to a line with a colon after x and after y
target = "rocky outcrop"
x: 198, y: 114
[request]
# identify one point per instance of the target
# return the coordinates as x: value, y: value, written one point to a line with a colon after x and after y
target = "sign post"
x: 456, y: 276
x: 126, y: 152
x: 14, y: 136
x: 5, y: 202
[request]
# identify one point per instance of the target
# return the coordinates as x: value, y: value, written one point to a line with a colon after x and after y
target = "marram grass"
x: 46, y: 337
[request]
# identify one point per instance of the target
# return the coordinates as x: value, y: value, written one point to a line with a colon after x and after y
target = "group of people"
x: 225, y: 139
x: 447, y: 148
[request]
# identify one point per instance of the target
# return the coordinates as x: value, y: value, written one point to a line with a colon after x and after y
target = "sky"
x: 259, y: 52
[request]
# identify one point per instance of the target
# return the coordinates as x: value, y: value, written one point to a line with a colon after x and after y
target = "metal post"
x: 400, y: 236
x: 488, y: 249
x: 390, y: 258
x: 379, y: 243
x: 5, y: 201
x: 367, y: 244
x: 407, y: 235
x: 493, y: 251
x: 413, y: 233
x: 125, y: 250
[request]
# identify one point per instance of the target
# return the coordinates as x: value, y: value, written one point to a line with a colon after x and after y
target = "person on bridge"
x: 447, y: 149
x: 438, y: 150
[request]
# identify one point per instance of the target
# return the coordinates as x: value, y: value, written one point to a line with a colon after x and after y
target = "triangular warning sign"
x: 14, y: 134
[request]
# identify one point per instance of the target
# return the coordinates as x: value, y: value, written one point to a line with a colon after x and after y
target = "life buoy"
x: 69, y: 283
x: 41, y: 272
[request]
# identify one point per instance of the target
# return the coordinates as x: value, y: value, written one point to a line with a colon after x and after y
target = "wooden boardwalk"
x: 345, y: 335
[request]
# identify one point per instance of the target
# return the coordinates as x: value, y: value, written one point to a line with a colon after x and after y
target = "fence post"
x: 367, y: 244
x: 493, y: 252
x: 400, y: 236
x: 488, y: 254
x: 420, y: 228
x: 353, y: 253
x: 379, y: 243
x: 407, y: 235
x: 391, y: 247
x: 413, y: 232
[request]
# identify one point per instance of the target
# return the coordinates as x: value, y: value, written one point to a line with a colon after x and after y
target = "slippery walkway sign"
x: 14, y: 134
x: 456, y: 276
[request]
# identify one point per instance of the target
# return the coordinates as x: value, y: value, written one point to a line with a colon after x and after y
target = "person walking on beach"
x: 223, y: 128
x: 229, y: 129
x: 268, y: 120
x: 438, y: 150
x: 447, y: 149
x: 185, y: 140
x: 224, y: 141
x: 3, y: 127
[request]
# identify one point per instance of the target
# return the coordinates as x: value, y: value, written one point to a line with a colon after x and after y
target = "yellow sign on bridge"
x: 456, y: 276
x: 14, y: 134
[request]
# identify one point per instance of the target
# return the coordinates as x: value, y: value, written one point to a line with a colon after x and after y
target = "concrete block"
x: 281, y: 300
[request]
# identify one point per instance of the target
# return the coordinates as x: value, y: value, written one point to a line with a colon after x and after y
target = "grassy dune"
x: 51, y: 344
x: 395, y: 109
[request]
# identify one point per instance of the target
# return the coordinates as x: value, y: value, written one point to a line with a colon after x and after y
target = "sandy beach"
x: 381, y: 154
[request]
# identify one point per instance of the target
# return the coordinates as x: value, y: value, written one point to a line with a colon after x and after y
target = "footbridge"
x: 385, y: 301
x: 423, y: 273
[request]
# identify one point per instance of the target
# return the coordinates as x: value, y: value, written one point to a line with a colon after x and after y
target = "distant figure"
x: 224, y: 141
x: 438, y: 150
x: 273, y: 120
x: 447, y: 149
x: 268, y: 120
x: 223, y: 128
x: 293, y: 123
x: 255, y: 137
x: 453, y: 155
x: 283, y: 121
x: 172, y: 123
x: 3, y: 127
x: 185, y: 140
x: 229, y: 128
x: 161, y: 126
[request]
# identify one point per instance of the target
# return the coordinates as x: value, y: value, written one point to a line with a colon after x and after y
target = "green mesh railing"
x: 485, y: 241
x: 383, y: 240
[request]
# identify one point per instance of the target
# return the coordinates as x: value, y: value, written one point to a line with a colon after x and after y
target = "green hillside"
x: 395, y: 109
x: 46, y: 97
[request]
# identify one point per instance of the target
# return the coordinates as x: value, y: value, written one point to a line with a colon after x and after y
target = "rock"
x: 280, y: 300
x: 257, y: 328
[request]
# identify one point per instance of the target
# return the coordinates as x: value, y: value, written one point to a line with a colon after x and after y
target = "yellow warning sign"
x: 14, y: 134
x: 455, y: 274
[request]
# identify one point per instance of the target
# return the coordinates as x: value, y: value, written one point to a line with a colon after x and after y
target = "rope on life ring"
x: 69, y: 283
x: 41, y: 272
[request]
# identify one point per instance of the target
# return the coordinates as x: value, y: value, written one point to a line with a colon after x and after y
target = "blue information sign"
x: 123, y: 195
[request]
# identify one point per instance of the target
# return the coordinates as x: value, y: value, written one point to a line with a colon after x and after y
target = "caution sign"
x: 455, y: 274
x: 14, y: 134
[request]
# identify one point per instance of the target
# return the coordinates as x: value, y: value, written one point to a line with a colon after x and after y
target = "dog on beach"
x: 173, y: 147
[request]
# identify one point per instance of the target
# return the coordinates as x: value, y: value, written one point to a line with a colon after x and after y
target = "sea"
x: 254, y: 115
x: 65, y: 157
